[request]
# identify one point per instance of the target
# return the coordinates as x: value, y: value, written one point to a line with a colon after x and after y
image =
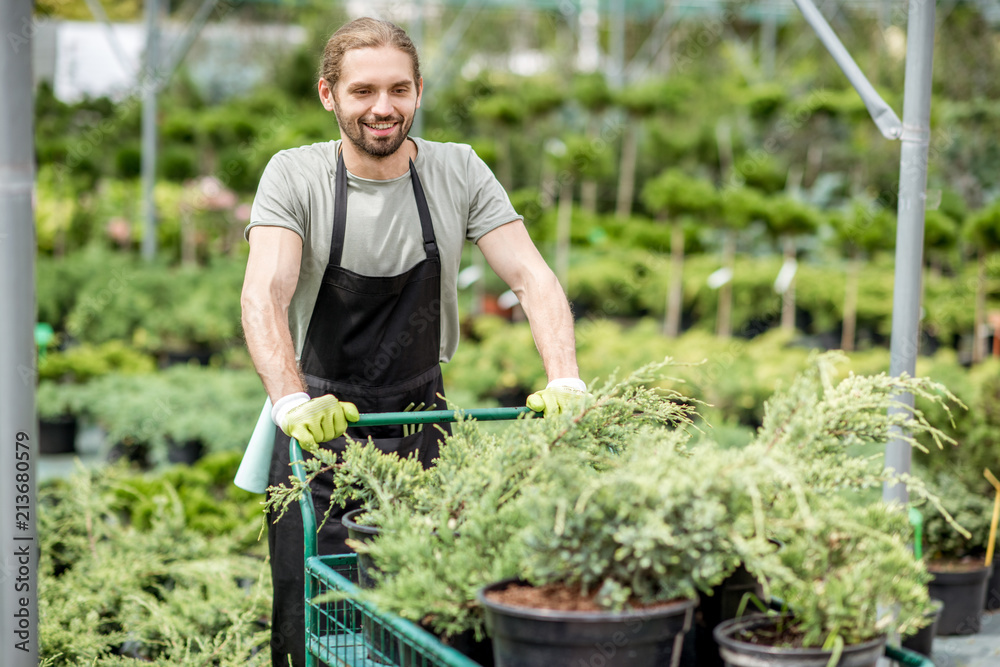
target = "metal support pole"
x: 97, y: 9
x: 417, y: 36
x: 910, y: 220
x: 18, y: 422
x: 617, y: 63
x: 883, y: 115
x: 180, y: 50
x: 150, y: 87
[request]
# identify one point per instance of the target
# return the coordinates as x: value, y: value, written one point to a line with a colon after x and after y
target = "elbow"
x: 255, y: 306
x: 539, y: 285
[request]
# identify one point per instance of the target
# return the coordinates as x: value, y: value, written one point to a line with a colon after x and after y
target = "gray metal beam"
x: 178, y: 51
x: 97, y: 9
x: 885, y: 118
x: 150, y: 85
x: 18, y: 422
x: 904, y: 341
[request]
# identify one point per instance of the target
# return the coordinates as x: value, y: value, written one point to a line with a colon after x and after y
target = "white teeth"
x: 380, y: 126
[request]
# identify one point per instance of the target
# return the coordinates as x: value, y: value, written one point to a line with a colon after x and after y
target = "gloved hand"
x: 313, y: 420
x: 557, y: 395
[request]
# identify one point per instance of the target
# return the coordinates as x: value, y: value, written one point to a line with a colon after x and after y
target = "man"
x: 350, y: 297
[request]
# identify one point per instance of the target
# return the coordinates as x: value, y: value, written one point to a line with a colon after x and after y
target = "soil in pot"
x: 922, y: 642
x: 754, y: 640
x: 57, y: 435
x: 961, y: 586
x: 554, y: 626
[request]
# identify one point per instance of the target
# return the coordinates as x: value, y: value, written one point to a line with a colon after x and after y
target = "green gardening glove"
x: 313, y: 420
x: 557, y: 396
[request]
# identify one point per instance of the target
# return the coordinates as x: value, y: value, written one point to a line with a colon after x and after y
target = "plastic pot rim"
x: 668, y: 609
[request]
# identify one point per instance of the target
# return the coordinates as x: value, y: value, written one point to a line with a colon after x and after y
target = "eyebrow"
x: 405, y: 83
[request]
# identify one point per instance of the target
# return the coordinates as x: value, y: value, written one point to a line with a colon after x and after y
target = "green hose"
x: 907, y: 658
x: 917, y: 521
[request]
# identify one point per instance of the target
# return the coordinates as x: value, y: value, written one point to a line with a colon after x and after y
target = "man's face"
x: 376, y: 99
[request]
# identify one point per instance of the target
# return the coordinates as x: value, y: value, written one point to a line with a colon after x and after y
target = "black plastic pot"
x: 738, y: 653
x: 526, y: 637
x: 57, y: 435
x: 964, y: 596
x: 381, y: 646
x: 993, y: 587
x: 356, y: 531
x: 922, y: 642
x: 188, y: 451
x: 700, y: 648
x: 135, y: 453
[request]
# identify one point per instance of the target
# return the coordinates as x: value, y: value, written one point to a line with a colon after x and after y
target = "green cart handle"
x: 440, y: 416
x: 388, y: 419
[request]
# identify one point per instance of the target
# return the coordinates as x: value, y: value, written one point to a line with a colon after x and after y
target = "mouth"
x: 381, y: 128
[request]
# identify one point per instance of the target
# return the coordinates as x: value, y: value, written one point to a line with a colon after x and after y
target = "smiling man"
x: 350, y: 297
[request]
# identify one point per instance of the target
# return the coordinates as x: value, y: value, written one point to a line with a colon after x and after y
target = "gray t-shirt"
x: 383, y: 237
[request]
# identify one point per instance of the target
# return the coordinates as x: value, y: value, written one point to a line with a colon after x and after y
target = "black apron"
x: 376, y: 342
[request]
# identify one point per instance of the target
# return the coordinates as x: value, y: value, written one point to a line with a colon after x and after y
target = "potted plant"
x: 843, y: 558
x: 846, y: 577
x: 61, y: 372
x: 613, y: 560
x: 956, y: 558
x: 57, y: 417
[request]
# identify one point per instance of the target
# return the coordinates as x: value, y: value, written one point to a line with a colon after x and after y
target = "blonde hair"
x: 364, y: 33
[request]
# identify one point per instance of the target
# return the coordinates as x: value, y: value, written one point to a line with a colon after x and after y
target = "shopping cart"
x: 353, y: 632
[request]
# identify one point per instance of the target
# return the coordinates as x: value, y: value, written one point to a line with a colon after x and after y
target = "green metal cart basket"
x: 353, y: 633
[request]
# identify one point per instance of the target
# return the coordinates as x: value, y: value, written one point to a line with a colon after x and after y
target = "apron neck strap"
x: 340, y: 213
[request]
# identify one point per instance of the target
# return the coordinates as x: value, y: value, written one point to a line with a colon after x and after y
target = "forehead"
x: 381, y: 64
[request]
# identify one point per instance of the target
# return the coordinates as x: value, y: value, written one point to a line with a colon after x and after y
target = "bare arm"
x: 511, y: 253
x: 271, y: 276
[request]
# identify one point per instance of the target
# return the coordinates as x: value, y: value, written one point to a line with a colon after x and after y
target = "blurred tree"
x: 592, y: 93
x: 639, y: 102
x: 861, y: 230
x: 573, y: 159
x: 982, y: 231
x: 788, y: 218
x: 503, y: 113
x: 672, y: 195
x: 738, y: 207
x: 941, y: 234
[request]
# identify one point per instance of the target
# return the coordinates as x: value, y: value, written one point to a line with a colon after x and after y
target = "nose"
x: 382, y: 105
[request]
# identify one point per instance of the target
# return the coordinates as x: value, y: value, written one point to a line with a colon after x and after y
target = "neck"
x: 363, y: 165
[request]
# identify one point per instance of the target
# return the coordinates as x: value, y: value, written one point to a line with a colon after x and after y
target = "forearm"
x: 551, y: 321
x: 269, y: 341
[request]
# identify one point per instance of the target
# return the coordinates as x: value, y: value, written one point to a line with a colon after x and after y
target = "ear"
x: 325, y: 94
x: 420, y: 90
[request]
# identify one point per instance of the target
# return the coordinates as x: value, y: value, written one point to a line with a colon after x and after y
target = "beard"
x: 377, y: 147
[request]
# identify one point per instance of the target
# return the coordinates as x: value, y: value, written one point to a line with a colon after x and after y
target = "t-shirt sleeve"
x: 278, y: 202
x: 489, y: 205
